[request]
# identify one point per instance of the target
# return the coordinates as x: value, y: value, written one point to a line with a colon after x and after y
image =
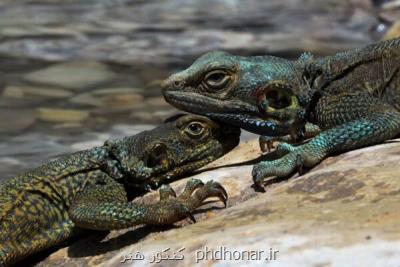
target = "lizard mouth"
x: 250, y: 123
x: 177, y: 172
x: 198, y: 158
x: 201, y: 104
x: 234, y: 112
x: 166, y: 170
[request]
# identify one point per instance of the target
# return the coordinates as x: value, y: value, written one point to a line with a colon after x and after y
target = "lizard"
x: 92, y: 189
x: 353, y: 97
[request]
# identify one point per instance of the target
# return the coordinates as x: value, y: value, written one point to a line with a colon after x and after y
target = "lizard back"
x: 373, y: 69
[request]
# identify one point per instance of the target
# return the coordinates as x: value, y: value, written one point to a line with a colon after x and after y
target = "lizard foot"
x: 171, y: 208
x: 295, y: 159
x: 196, y: 192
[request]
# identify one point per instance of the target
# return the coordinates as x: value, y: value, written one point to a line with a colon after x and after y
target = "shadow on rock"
x: 93, y: 246
x: 265, y: 157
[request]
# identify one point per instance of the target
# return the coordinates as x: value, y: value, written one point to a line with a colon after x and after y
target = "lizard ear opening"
x: 277, y: 96
x: 278, y: 99
x: 156, y: 156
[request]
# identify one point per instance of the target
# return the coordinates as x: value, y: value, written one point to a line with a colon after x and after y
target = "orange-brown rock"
x: 344, y: 212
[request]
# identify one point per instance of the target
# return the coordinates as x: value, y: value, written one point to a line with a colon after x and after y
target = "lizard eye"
x: 194, y: 129
x: 278, y: 99
x: 216, y: 79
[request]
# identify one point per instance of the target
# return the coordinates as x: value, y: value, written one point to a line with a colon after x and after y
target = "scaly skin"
x: 353, y: 97
x: 92, y: 189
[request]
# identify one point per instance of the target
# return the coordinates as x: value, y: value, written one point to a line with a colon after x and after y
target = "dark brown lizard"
x: 353, y: 97
x: 92, y: 189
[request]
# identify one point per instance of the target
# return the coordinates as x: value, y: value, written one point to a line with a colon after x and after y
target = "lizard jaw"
x: 200, y: 104
x: 185, y: 166
x: 178, y: 171
x: 198, y: 157
x: 233, y: 112
x: 251, y: 123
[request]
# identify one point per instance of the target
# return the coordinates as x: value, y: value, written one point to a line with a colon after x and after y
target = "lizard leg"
x: 267, y: 142
x: 96, y: 209
x: 369, y: 130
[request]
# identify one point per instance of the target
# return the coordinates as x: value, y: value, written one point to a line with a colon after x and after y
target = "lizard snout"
x: 172, y: 83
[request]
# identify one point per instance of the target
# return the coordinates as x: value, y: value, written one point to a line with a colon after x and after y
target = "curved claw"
x: 300, y: 165
x: 257, y: 180
x: 223, y: 199
x: 266, y: 143
x: 270, y: 146
x: 222, y: 189
x: 191, y: 217
x: 217, y: 190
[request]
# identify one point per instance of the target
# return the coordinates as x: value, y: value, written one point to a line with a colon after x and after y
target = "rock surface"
x: 344, y: 212
x: 62, y: 115
x: 72, y: 75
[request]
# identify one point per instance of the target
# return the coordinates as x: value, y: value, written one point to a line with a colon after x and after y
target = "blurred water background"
x: 75, y: 73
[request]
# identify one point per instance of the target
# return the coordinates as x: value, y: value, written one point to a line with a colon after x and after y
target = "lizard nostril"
x: 172, y: 84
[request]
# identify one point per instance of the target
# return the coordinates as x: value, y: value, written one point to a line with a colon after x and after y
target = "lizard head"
x: 260, y: 94
x: 181, y: 145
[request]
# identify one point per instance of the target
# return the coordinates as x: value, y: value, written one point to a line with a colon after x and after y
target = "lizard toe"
x: 266, y: 143
x: 259, y: 174
x: 208, y: 190
x: 281, y: 167
x: 166, y: 192
x: 191, y: 186
x: 215, y: 189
